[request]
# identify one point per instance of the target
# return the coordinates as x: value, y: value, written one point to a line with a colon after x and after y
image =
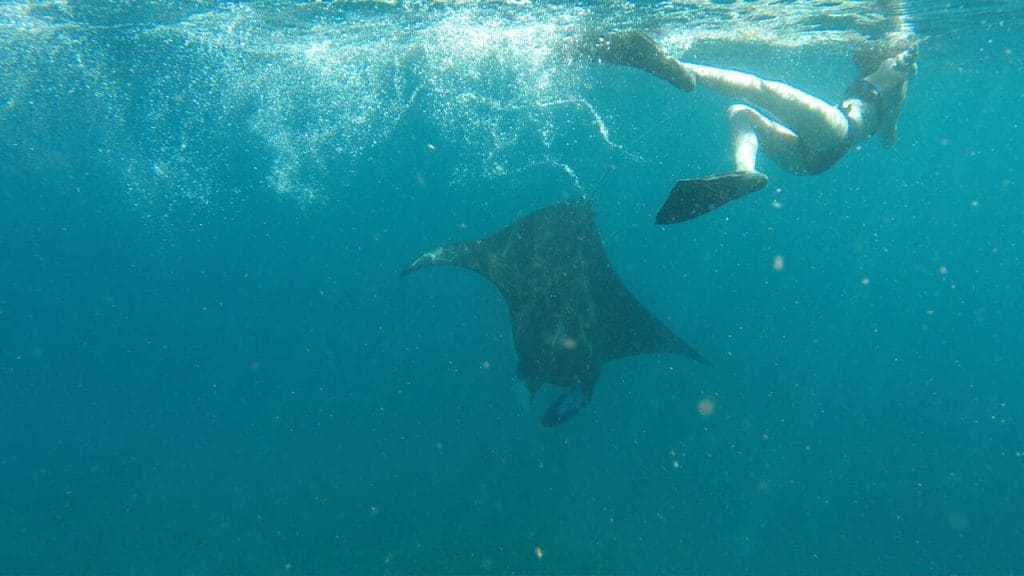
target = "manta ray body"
x: 570, y: 312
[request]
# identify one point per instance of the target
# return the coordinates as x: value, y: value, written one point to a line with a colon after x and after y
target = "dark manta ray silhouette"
x: 570, y: 312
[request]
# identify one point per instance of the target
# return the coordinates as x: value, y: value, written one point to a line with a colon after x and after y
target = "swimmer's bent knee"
x: 742, y: 112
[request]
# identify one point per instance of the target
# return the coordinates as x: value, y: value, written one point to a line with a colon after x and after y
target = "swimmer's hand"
x: 906, y: 62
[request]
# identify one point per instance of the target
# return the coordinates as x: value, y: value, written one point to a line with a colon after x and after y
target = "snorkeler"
x: 803, y: 135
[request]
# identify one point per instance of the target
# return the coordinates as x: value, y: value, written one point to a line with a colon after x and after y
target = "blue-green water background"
x: 208, y: 363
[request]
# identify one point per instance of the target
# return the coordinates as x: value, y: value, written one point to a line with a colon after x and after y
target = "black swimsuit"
x: 818, y: 161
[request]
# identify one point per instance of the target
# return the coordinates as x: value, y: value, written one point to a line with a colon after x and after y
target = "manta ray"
x: 570, y: 312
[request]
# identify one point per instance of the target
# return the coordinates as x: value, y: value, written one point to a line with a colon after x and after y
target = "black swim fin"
x: 640, y: 51
x: 691, y: 198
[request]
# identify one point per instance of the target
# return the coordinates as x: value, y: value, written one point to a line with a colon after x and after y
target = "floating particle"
x: 706, y: 406
x: 778, y: 262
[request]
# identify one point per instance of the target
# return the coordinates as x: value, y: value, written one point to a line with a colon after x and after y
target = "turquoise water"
x: 209, y: 365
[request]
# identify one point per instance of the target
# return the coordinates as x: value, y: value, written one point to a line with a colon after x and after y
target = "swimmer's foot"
x: 691, y: 198
x: 640, y: 51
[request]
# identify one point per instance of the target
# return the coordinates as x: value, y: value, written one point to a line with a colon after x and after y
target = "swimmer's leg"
x: 750, y: 132
x: 819, y: 124
x: 691, y: 198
